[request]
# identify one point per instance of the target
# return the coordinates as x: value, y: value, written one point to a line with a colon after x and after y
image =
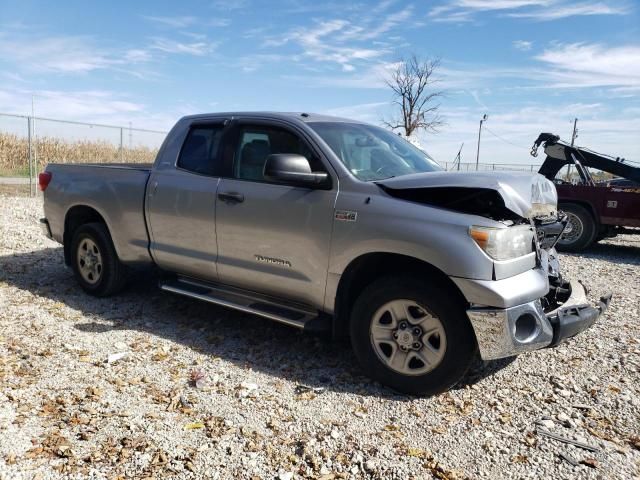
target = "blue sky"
x: 531, y: 65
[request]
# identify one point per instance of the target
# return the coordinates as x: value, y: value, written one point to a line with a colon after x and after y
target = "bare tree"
x: 411, y: 83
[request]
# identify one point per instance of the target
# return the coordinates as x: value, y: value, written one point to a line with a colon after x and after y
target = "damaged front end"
x: 505, y: 332
x: 561, y: 313
x: 514, y: 312
x: 501, y: 196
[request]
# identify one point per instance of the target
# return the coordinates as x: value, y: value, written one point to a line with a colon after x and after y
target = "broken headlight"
x: 504, y: 243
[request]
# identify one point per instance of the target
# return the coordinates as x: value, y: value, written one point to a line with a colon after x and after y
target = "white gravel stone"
x: 114, y: 357
x: 546, y: 423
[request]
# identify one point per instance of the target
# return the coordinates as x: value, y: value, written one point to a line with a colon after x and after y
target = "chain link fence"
x: 471, y: 166
x: 28, y: 143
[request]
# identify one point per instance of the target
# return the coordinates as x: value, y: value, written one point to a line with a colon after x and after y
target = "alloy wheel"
x: 89, y: 261
x: 407, y: 338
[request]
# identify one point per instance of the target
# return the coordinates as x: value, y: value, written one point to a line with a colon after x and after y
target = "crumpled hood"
x: 525, y: 194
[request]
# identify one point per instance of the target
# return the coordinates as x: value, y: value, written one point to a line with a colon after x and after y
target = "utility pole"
x: 483, y: 119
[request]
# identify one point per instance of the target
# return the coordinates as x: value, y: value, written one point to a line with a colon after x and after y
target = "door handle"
x: 231, y: 197
x: 153, y: 189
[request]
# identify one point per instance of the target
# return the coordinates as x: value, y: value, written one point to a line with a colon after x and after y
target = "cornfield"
x: 14, y: 153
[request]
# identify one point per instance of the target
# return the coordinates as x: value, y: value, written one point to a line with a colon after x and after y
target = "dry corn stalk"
x: 14, y: 153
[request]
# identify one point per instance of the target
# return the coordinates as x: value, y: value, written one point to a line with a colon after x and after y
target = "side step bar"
x: 274, y: 309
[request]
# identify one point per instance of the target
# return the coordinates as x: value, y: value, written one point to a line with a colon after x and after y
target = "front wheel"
x: 412, y: 336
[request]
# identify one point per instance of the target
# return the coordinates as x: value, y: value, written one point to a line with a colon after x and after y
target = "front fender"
x: 388, y: 225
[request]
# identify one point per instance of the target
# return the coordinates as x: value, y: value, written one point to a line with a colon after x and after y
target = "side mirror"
x: 293, y: 169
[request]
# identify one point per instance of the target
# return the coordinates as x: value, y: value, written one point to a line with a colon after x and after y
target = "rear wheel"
x: 412, y: 336
x: 581, y: 230
x: 95, y: 263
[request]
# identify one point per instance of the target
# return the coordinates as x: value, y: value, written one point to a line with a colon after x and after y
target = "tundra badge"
x: 346, y: 215
x: 273, y: 261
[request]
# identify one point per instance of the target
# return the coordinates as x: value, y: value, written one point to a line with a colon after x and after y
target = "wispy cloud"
x: 540, y: 10
x: 572, y: 10
x: 187, y: 21
x: 173, y: 21
x: 253, y: 62
x: 199, y: 48
x: 65, y: 54
x: 230, y: 4
x: 371, y: 77
x: 93, y: 106
x: 592, y: 65
x: 300, y: 7
x: 350, y: 41
x: 463, y: 10
x: 322, y: 43
x: 75, y: 104
x: 500, y: 4
x: 369, y: 32
x: 476, y: 96
x: 523, y: 45
x: 365, y: 112
x: 445, y: 14
x: 137, y: 55
x: 217, y: 22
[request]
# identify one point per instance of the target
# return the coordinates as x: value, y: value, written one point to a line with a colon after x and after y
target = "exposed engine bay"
x: 501, y: 196
x: 483, y: 202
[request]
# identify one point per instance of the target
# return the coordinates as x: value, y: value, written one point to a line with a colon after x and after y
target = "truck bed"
x: 116, y: 191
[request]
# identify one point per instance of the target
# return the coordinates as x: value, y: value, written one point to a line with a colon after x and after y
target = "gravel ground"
x: 204, y: 392
x: 13, y: 190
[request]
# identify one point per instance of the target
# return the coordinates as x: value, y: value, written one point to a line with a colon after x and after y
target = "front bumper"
x: 505, y: 332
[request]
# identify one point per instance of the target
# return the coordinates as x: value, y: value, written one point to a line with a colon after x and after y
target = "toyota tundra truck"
x: 330, y: 225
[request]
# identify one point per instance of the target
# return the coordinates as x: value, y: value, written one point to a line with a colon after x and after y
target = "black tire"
x: 584, y: 223
x: 111, y: 276
x: 460, y: 350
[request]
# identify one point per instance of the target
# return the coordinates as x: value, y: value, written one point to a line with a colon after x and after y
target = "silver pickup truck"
x: 328, y: 224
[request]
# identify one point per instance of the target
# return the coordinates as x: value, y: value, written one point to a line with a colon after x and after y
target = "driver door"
x: 273, y: 238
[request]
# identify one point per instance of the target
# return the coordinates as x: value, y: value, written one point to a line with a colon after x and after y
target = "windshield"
x: 372, y: 153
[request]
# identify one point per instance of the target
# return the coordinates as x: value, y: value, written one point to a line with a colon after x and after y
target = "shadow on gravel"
x: 611, y: 252
x: 481, y: 369
x: 246, y: 340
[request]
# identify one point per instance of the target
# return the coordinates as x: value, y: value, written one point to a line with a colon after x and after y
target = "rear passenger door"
x: 181, y: 200
x: 273, y: 238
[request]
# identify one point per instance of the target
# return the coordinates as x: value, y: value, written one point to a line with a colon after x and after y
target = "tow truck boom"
x: 595, y: 209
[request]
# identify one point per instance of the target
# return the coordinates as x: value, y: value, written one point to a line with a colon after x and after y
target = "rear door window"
x: 200, y: 150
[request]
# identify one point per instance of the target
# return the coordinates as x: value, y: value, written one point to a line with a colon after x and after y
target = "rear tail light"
x: 43, y: 180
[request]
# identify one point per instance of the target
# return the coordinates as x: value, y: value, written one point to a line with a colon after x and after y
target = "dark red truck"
x: 602, y: 201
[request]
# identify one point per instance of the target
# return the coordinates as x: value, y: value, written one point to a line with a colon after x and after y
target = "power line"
x: 625, y: 160
x: 504, y: 139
